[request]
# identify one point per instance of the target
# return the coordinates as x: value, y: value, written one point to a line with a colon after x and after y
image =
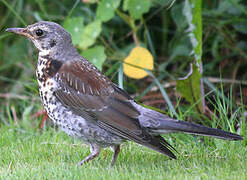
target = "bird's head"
x: 46, y: 36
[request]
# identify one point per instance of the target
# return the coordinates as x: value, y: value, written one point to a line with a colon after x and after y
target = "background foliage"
x: 106, y: 31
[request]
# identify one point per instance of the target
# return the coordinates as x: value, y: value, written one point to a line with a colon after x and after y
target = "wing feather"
x: 90, y: 94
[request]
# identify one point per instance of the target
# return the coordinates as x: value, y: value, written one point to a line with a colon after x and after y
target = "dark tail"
x: 159, y: 144
x: 167, y: 126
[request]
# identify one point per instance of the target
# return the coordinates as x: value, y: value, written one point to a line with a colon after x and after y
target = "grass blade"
x: 163, y: 92
x: 14, y: 12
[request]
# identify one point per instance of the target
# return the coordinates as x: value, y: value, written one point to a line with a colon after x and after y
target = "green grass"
x: 28, y: 154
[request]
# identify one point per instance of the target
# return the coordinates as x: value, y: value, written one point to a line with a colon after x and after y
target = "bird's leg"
x: 95, y: 150
x: 45, y: 117
x: 116, y: 150
x: 42, y: 124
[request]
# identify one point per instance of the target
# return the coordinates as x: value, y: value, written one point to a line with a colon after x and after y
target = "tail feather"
x: 159, y: 144
x: 167, y: 126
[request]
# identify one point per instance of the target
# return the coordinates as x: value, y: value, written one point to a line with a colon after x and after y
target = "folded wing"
x: 90, y: 94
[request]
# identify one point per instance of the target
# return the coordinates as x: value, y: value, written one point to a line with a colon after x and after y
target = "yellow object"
x: 141, y: 59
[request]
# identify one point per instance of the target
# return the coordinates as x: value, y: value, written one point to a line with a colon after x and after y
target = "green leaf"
x: 75, y: 27
x: 178, y: 16
x: 127, y: 19
x: 241, y: 26
x: 95, y: 55
x: 180, y: 50
x: 229, y: 7
x: 90, y: 33
x: 192, y: 12
x: 106, y: 8
x: 125, y: 5
x: 189, y: 87
x: 163, y: 2
x: 90, y: 1
x: 137, y: 8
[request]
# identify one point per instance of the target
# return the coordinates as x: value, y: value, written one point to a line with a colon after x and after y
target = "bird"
x: 88, y: 106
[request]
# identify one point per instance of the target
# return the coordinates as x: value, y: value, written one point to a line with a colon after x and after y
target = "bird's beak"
x: 20, y: 31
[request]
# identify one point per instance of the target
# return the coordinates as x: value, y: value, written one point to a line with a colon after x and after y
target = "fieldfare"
x: 87, y: 105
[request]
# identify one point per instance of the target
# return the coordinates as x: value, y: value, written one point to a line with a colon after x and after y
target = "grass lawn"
x: 29, y: 154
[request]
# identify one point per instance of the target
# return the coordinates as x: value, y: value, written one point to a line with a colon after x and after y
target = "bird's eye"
x: 39, y: 32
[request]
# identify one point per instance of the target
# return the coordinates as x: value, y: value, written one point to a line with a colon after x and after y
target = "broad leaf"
x: 230, y: 7
x: 95, y: 55
x: 192, y: 11
x: 138, y: 60
x: 74, y: 26
x: 106, y: 8
x: 90, y: 33
x: 189, y: 87
x: 178, y: 16
x: 137, y: 8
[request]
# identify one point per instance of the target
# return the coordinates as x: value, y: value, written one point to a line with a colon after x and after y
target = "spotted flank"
x: 72, y: 124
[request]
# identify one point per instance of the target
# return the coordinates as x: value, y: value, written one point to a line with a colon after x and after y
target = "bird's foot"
x: 45, y: 117
x: 95, y: 150
x: 116, y: 150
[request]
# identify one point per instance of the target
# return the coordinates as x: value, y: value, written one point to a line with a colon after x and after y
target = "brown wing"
x: 92, y: 95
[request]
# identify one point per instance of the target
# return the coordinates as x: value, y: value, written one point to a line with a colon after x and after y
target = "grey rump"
x: 87, y: 105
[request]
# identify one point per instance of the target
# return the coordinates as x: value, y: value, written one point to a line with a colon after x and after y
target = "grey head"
x: 48, y: 37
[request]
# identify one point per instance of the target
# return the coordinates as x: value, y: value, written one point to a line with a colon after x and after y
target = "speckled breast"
x: 69, y: 122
